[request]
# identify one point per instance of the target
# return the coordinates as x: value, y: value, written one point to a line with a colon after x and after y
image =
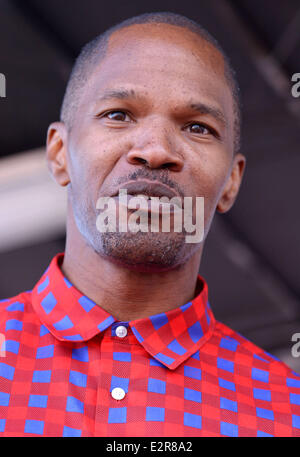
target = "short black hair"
x: 92, y: 53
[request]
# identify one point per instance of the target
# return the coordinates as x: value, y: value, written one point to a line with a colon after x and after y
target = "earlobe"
x: 56, y: 153
x: 232, y: 186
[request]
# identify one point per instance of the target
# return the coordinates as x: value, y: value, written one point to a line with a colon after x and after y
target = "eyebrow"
x: 201, y: 108
x: 118, y: 93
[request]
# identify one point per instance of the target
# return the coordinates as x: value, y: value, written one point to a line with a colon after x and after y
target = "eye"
x: 202, y: 129
x: 117, y: 116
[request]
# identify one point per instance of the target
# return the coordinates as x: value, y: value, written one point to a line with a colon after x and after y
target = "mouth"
x: 149, y: 189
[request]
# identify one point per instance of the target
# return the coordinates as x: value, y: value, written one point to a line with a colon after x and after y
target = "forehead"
x: 168, y: 63
x: 163, y: 35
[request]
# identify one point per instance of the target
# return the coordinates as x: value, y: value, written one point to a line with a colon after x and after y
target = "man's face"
x: 156, y: 108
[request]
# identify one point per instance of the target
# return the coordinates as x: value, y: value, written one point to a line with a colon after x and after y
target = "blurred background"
x: 251, y: 260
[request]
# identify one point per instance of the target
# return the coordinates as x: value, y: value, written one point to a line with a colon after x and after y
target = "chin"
x: 144, y: 252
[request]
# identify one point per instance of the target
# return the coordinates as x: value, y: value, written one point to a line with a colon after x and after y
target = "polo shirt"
x: 70, y: 369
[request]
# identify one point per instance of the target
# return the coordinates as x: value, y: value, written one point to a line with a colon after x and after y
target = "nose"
x: 154, y: 146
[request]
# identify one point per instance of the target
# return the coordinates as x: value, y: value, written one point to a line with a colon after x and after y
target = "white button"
x: 121, y: 331
x: 118, y: 393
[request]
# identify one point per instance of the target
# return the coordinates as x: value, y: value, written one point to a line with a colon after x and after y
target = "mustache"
x: 161, y: 176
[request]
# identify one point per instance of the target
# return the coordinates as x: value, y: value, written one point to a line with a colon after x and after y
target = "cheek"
x: 210, y: 175
x: 91, y: 158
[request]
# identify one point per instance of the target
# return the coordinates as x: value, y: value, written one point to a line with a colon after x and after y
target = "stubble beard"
x: 146, y: 251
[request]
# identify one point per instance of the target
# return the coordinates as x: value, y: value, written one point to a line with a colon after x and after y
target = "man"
x: 117, y: 338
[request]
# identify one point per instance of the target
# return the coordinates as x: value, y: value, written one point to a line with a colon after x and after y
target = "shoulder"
x: 14, y: 311
x: 264, y: 366
x: 274, y: 388
x: 234, y: 341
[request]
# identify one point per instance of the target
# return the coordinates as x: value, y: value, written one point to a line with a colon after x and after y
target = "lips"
x: 148, y: 188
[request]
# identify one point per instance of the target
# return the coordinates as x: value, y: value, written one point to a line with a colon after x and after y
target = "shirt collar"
x: 170, y: 337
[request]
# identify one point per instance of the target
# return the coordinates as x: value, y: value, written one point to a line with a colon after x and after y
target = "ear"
x: 232, y: 186
x: 57, y: 152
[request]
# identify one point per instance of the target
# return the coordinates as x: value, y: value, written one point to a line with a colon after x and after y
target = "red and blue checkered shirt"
x: 68, y: 368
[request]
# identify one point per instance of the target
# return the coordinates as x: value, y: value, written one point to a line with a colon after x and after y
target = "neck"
x: 124, y: 293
